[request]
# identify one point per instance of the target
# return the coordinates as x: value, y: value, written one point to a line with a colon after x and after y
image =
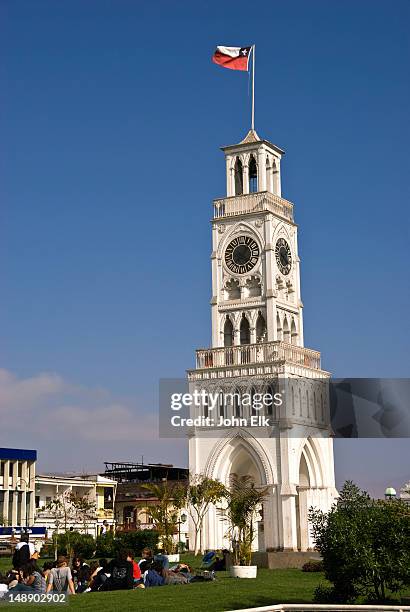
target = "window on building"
x: 237, y: 403
x: 108, y: 498
x: 253, y: 175
x: 245, y: 331
x: 228, y: 332
x: 206, y: 406
x: 238, y: 177
x: 260, y: 328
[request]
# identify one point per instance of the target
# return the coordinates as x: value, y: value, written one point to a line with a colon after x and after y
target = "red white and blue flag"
x: 235, y: 58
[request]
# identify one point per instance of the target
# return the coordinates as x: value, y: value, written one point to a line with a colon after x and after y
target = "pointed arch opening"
x: 260, y: 328
x: 245, y: 331
x: 279, y: 330
x: 228, y: 332
x: 286, y: 330
x: 237, y: 406
x: 270, y: 408
x: 253, y: 175
x: 238, y: 177
x: 293, y: 333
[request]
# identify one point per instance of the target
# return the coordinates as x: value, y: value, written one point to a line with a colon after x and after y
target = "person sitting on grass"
x: 60, y: 579
x: 80, y: 571
x: 100, y: 576
x: 31, y: 580
x: 121, y: 571
x: 154, y: 575
x: 136, y: 571
x: 146, y: 561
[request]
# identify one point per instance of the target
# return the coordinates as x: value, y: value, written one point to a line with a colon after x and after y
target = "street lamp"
x: 182, y: 519
x: 390, y: 493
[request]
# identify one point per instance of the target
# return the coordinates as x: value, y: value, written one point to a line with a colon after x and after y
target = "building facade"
x: 17, y: 486
x: 98, y: 490
x: 133, y: 500
x: 258, y: 347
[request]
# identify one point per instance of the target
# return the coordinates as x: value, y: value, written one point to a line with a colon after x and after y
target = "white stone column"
x: 269, y: 177
x: 252, y: 335
x: 228, y: 177
x: 268, y: 278
x: 261, y: 170
x: 32, y: 477
x: 15, y: 496
x: 245, y: 175
x: 276, y: 179
x: 303, y: 519
x: 215, y: 287
x: 288, y: 518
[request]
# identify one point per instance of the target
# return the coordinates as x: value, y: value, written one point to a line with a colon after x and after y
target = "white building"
x: 100, y: 491
x: 17, y: 486
x: 257, y: 346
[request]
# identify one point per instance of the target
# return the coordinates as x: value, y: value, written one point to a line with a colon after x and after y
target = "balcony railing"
x: 265, y: 352
x: 253, y: 202
x: 135, y: 526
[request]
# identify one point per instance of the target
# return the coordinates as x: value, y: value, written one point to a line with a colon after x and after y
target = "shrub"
x: 105, y: 545
x: 313, y: 566
x: 136, y: 540
x: 326, y: 595
x: 71, y: 543
x: 365, y: 545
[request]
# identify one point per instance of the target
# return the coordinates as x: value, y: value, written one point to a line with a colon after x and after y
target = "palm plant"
x: 165, y: 512
x: 243, y: 500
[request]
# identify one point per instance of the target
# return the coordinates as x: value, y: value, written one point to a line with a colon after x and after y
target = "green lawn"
x: 225, y: 593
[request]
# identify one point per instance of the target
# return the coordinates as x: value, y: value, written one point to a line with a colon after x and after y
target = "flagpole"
x: 253, y: 87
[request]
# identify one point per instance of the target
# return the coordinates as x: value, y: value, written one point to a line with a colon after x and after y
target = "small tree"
x: 244, y: 500
x: 200, y: 494
x: 63, y: 512
x: 165, y: 512
x: 365, y: 545
x: 85, y: 509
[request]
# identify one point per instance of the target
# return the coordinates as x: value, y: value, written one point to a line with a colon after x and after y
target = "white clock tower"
x: 257, y: 347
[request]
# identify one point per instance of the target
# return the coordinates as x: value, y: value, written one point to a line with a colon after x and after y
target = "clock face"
x: 283, y: 256
x: 241, y: 254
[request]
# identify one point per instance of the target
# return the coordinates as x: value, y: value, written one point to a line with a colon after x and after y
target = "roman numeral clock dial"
x: 241, y: 254
x: 283, y: 256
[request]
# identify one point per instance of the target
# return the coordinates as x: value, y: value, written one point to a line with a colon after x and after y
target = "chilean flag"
x: 235, y: 58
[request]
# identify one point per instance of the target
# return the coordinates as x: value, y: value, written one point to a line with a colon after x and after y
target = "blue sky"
x: 112, y: 116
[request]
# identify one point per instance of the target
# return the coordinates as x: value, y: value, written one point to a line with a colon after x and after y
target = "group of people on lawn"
x: 122, y: 572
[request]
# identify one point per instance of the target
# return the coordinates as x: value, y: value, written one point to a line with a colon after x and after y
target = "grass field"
x: 225, y: 593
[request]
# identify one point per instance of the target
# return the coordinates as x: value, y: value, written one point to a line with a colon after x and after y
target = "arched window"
x: 221, y: 404
x: 270, y: 405
x: 253, y: 175
x: 279, y: 328
x: 238, y: 177
x: 228, y: 332
x: 237, y: 403
x: 245, y: 331
x: 254, y: 412
x: 206, y: 406
x: 286, y: 330
x: 293, y: 333
x: 260, y: 328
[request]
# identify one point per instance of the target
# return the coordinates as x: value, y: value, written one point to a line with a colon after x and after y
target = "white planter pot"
x: 173, y: 558
x: 243, y: 571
